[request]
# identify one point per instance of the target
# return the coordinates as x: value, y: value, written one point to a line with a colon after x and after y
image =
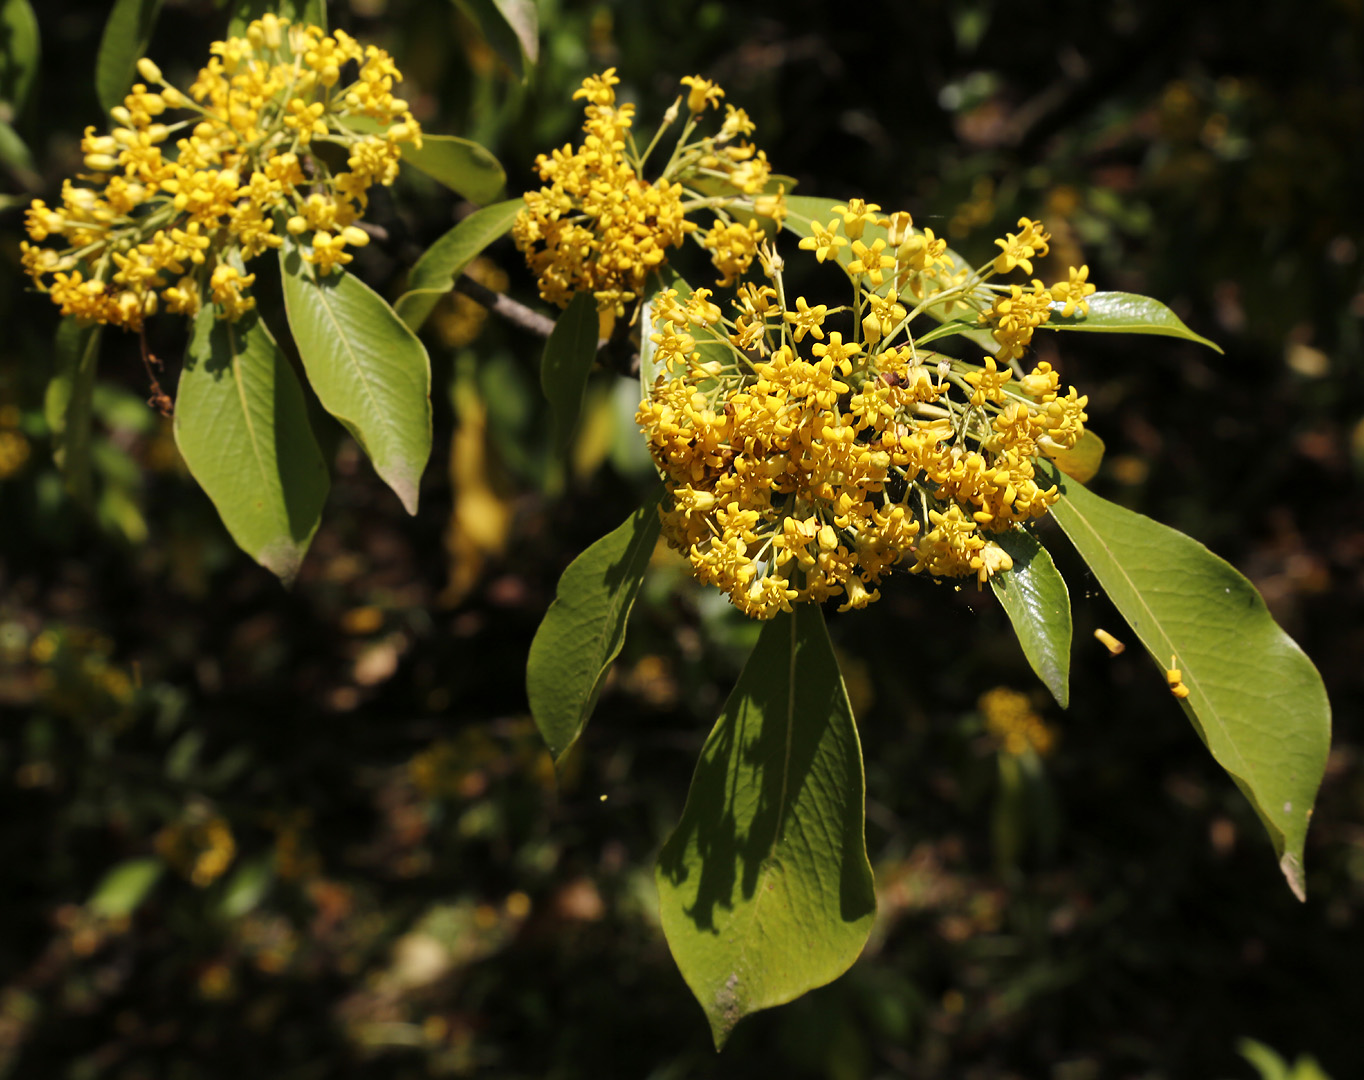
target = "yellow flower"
x: 703, y: 92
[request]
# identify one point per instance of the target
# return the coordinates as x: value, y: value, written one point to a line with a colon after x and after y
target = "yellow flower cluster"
x: 599, y: 226
x: 804, y: 462
x: 1010, y: 718
x: 172, y: 229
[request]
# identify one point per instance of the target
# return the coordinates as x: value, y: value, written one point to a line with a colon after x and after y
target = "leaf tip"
x: 283, y: 558
x: 1291, y: 865
x: 725, y: 1010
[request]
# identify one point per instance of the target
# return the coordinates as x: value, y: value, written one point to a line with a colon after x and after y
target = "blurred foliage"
x: 314, y: 833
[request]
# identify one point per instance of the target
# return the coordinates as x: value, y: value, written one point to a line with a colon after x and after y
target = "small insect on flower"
x: 1112, y: 644
x: 1175, y: 678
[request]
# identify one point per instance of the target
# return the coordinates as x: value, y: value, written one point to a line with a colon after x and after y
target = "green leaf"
x: 584, y: 628
x: 241, y: 424
x: 124, y: 43
x: 123, y: 888
x: 765, y: 891
x: 247, y: 887
x: 436, y: 272
x: 19, y: 53
x: 69, y: 404
x: 1125, y: 313
x: 1034, y: 596
x: 511, y: 27
x: 802, y: 210
x: 368, y: 369
x: 569, y: 355
x: 462, y: 165
x: 14, y: 152
x: 1254, y: 697
x: 1081, y: 462
x: 309, y: 12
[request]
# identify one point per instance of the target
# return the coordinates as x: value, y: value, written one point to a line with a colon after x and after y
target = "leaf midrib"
x: 326, y: 304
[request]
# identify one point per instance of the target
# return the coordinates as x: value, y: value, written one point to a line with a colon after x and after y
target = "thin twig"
x: 614, y: 352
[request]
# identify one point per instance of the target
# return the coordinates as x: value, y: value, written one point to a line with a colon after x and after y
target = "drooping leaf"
x: 126, y: 34
x: 567, y: 361
x: 19, y: 52
x: 1081, y: 462
x: 436, y: 272
x: 1034, y: 596
x: 765, y: 891
x: 584, y: 628
x: 1254, y: 697
x: 511, y: 27
x: 802, y: 210
x: 368, y: 369
x: 242, y: 427
x: 245, y: 12
x: 69, y: 404
x: 1125, y: 313
x: 122, y: 889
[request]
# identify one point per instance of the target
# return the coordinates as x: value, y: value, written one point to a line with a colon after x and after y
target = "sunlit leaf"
x: 1081, y: 462
x: 436, y: 272
x: 368, y: 369
x: 1034, y: 596
x: 20, y: 53
x: 69, y: 404
x: 126, y: 34
x: 569, y: 355
x: 123, y: 888
x: 241, y: 423
x: 1254, y: 697
x: 308, y: 12
x: 1125, y: 313
x: 765, y: 891
x: 584, y: 629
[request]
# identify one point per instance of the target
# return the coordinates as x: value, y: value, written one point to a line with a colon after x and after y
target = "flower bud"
x: 354, y: 236
x: 173, y: 98
x: 871, y: 328
x: 100, y: 162
x: 149, y: 71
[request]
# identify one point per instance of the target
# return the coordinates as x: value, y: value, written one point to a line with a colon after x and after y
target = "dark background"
x: 408, y: 891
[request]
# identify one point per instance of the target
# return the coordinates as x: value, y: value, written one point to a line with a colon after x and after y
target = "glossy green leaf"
x: 311, y: 12
x: 765, y: 891
x: 584, y: 628
x: 511, y: 27
x: 802, y: 210
x: 126, y: 34
x: 19, y: 52
x: 368, y: 369
x: 569, y: 355
x: 436, y: 272
x: 1254, y: 697
x: 1034, y: 596
x: 123, y: 888
x: 1125, y: 313
x: 241, y: 423
x: 68, y: 404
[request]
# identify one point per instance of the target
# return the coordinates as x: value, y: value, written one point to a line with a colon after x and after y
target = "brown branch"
x: 615, y: 352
